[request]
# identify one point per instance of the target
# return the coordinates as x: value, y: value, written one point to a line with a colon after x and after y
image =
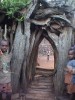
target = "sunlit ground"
x: 44, y: 63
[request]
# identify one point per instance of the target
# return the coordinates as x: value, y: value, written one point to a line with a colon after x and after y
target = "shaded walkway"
x: 41, y: 88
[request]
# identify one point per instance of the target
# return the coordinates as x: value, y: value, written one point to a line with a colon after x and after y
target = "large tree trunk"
x: 25, y: 51
x: 64, y: 43
x: 24, y: 81
x: 28, y: 48
x: 17, y: 57
x: 20, y: 53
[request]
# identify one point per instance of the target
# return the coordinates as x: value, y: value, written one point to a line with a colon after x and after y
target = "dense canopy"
x: 12, y: 8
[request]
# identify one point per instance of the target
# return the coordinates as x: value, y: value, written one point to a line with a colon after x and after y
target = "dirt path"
x: 44, y: 63
x: 41, y: 89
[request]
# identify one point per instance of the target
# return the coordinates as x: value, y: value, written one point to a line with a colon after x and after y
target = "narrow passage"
x: 41, y: 88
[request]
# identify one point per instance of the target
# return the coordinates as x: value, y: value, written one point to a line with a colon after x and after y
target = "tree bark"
x: 17, y: 57
x: 20, y: 53
x: 32, y: 57
x: 64, y: 44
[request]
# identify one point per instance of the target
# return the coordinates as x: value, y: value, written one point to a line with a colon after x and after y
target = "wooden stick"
x: 5, y: 33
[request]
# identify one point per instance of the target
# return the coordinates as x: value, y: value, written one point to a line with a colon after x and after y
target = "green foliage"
x: 14, y: 6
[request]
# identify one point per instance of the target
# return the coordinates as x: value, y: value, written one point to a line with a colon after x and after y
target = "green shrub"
x: 14, y: 6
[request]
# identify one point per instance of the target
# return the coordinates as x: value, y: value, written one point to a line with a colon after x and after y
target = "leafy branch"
x: 12, y: 7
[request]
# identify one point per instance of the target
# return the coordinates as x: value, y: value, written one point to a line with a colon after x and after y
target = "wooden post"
x: 5, y: 33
